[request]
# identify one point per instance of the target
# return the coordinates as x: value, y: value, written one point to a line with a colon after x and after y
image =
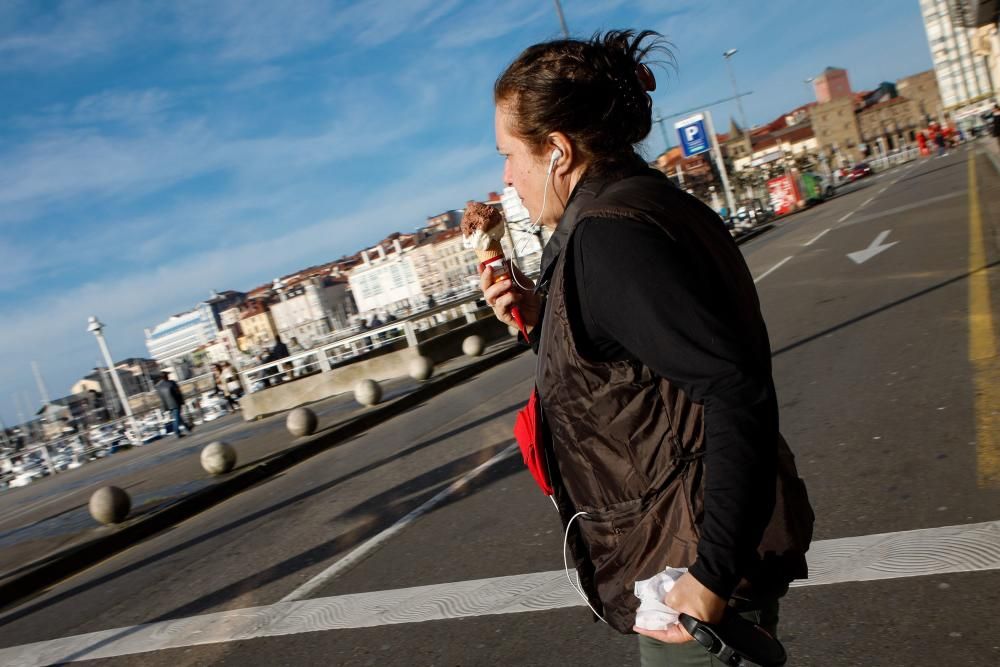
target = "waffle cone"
x: 492, y: 252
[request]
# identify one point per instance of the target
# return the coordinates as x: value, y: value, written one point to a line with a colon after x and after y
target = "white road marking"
x: 816, y: 238
x: 362, y: 552
x: 913, y: 553
x: 770, y: 271
x: 867, y: 201
x: 906, y: 207
x: 874, y: 248
x: 846, y: 217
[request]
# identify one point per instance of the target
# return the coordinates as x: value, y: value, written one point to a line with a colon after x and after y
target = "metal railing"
x: 895, y: 158
x: 351, y: 344
x: 355, y: 343
x: 72, y: 450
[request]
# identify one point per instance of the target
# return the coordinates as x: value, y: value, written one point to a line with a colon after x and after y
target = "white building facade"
x: 523, y: 240
x: 387, y: 282
x: 311, y: 309
x: 963, y: 76
x: 180, y: 335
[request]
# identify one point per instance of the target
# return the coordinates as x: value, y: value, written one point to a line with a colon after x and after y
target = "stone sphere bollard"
x: 473, y: 346
x: 301, y: 421
x: 421, y: 368
x: 367, y: 392
x: 218, y: 458
x: 109, y: 505
x: 513, y: 331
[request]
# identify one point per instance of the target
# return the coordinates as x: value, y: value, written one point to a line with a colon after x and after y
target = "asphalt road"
x: 880, y: 399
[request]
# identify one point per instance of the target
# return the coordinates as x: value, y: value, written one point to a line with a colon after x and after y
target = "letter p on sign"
x: 691, y: 131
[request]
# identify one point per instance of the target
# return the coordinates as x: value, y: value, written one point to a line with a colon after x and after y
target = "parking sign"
x: 693, y: 135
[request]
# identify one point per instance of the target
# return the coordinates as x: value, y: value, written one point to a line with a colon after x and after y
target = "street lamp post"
x: 732, y: 77
x: 562, y: 20
x: 95, y: 327
x: 809, y: 86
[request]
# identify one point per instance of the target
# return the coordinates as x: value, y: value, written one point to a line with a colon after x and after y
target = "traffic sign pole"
x: 719, y: 162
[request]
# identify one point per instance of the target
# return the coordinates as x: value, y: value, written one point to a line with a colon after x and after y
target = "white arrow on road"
x: 875, y: 248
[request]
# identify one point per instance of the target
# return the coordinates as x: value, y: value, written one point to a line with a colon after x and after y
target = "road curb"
x: 57, y: 566
x: 754, y: 233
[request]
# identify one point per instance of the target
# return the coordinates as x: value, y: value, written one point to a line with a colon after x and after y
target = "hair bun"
x: 595, y: 91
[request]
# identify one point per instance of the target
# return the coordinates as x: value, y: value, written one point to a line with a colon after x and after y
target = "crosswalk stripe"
x: 930, y: 551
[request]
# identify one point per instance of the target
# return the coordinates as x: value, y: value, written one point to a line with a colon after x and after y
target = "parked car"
x: 860, y: 170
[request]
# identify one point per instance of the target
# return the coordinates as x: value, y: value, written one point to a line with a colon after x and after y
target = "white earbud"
x: 556, y: 154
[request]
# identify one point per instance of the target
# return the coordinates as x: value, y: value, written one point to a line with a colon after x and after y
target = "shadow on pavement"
x: 381, y: 511
x: 881, y: 309
x: 65, y: 595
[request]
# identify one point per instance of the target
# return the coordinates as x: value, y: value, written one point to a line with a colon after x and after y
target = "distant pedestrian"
x: 366, y: 341
x: 172, y: 401
x: 263, y: 379
x: 937, y: 134
x: 224, y: 377
x: 232, y: 381
x: 294, y: 348
x: 279, y: 351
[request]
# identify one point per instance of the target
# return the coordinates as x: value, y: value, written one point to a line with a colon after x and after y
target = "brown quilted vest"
x: 626, y: 447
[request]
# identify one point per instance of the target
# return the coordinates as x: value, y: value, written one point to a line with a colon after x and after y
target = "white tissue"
x: 652, y: 613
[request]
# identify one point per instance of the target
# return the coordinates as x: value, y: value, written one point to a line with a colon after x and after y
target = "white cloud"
x: 66, y: 165
x: 238, y: 30
x: 378, y: 22
x: 52, y: 329
x: 128, y: 106
x: 255, y: 78
x: 67, y: 33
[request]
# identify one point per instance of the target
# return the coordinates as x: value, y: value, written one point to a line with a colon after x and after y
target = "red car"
x: 859, y: 170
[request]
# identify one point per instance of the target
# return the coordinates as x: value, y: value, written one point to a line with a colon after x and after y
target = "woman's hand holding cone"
x: 506, y: 295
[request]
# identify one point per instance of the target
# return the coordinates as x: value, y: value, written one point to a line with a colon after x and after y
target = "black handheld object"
x: 736, y: 641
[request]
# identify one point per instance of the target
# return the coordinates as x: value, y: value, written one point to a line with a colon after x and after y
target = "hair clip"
x: 646, y: 78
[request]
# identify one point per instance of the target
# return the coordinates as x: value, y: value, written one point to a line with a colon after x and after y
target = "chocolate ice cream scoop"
x: 479, y: 217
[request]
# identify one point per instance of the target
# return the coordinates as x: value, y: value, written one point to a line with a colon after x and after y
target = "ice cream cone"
x: 494, y: 251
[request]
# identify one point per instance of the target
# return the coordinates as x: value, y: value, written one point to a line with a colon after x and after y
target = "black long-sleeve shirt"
x: 639, y: 294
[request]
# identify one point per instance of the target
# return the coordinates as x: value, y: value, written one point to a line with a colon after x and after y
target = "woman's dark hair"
x: 595, y: 92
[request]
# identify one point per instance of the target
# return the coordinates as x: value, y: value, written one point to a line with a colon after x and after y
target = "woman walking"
x: 658, y: 410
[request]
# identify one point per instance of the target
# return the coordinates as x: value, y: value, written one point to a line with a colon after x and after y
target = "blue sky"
x: 153, y: 151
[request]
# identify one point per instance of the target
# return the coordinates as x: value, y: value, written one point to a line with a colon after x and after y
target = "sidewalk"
x: 46, y: 532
